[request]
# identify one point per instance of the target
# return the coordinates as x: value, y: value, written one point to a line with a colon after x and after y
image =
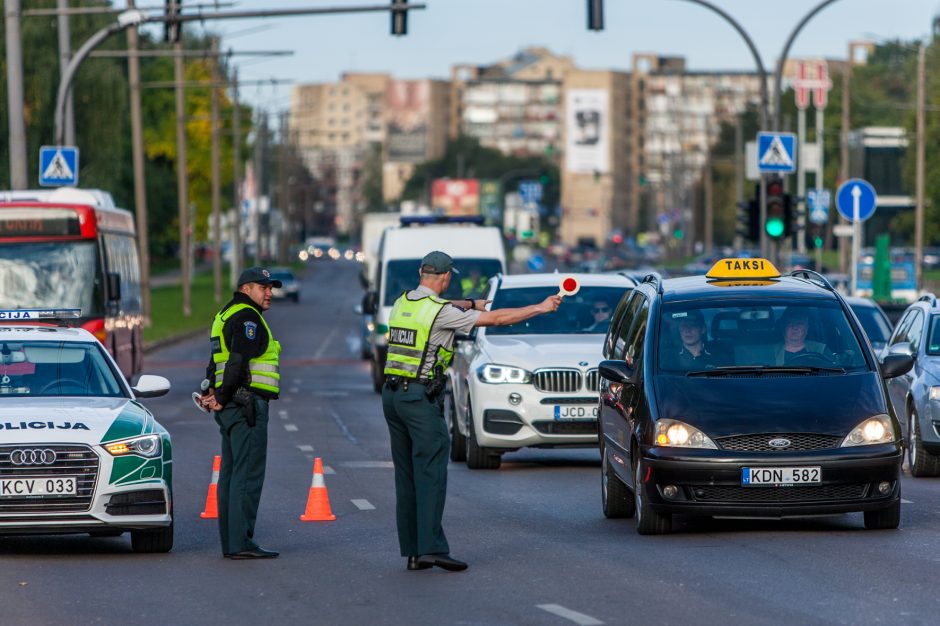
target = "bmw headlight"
x: 497, y: 374
x: 878, y: 429
x: 147, y: 446
x: 676, y: 434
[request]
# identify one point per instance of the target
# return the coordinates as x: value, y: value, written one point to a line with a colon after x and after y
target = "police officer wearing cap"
x: 420, y: 347
x: 244, y: 374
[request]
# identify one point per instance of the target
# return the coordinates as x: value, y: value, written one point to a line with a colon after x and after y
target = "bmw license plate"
x: 41, y: 486
x: 575, y: 412
x: 777, y: 476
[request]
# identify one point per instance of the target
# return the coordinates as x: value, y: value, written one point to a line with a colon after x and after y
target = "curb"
x: 170, y: 341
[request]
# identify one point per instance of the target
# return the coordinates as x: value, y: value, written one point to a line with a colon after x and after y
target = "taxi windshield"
x: 803, y: 336
x: 48, y: 369
x: 402, y: 276
x: 585, y: 313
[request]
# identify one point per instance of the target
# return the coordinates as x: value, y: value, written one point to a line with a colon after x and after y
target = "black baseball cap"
x: 437, y: 262
x: 258, y: 275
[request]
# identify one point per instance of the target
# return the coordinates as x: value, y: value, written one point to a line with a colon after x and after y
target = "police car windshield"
x: 758, y: 333
x: 586, y: 313
x: 48, y: 369
x: 54, y: 275
x: 402, y: 276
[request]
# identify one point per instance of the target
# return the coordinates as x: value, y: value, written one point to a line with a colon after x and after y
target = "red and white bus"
x: 72, y: 248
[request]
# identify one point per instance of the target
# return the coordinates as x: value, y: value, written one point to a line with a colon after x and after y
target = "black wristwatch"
x: 473, y: 304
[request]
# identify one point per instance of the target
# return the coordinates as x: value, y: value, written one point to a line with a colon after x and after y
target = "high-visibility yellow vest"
x: 409, y: 330
x: 264, y: 369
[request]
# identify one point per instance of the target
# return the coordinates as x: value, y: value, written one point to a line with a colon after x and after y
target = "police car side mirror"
x: 114, y: 286
x: 616, y: 371
x: 150, y: 386
x: 370, y: 303
x: 894, y: 364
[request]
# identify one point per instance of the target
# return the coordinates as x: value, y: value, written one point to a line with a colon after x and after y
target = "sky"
x: 483, y: 31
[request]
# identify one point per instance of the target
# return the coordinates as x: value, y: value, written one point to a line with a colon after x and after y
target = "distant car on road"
x: 874, y: 321
x: 290, y: 286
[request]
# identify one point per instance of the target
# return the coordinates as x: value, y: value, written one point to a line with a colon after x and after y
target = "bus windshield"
x: 46, y: 274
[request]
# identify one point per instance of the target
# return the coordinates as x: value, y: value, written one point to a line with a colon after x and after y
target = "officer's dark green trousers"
x: 244, y: 452
x: 420, y: 451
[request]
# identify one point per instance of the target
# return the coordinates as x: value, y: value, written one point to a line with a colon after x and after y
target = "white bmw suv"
x: 533, y: 383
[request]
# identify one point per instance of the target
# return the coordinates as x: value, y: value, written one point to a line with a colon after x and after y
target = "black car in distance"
x: 744, y: 393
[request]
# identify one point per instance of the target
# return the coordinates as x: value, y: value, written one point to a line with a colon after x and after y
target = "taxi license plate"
x: 25, y: 487
x: 575, y: 412
x: 775, y: 476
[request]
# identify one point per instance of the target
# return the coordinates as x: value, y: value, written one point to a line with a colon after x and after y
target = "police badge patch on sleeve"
x: 251, y: 330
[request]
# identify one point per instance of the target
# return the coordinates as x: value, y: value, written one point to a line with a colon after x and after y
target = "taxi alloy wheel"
x: 615, y: 497
x: 921, y: 462
x: 648, y: 521
x: 458, y: 443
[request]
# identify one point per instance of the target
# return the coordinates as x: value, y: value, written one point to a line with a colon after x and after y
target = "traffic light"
x: 399, y: 19
x: 595, y: 14
x: 172, y: 30
x: 748, y: 220
x: 779, y: 224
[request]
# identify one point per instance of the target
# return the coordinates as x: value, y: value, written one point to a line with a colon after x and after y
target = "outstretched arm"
x: 507, y: 317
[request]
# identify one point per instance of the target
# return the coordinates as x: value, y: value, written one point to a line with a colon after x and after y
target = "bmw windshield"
x: 48, y: 369
x: 586, y: 313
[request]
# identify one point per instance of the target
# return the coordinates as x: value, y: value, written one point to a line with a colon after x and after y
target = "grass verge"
x: 166, y: 309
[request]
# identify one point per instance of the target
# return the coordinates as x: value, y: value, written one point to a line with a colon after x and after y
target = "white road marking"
x: 282, y: 414
x: 328, y: 470
x: 291, y: 428
x: 331, y: 394
x: 305, y: 448
x: 906, y: 501
x: 369, y: 464
x: 326, y: 342
x: 294, y: 390
x: 342, y: 427
x: 363, y: 505
x: 578, y: 618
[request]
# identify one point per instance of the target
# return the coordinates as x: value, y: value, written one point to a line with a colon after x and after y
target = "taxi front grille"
x: 799, y: 442
x: 558, y: 380
x: 71, y: 460
x: 820, y: 493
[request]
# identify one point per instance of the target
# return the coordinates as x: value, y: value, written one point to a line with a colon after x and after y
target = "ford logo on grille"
x: 22, y: 457
x: 779, y: 442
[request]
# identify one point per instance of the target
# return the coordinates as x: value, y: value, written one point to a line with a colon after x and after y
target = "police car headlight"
x: 676, y: 434
x: 498, y: 374
x: 878, y: 429
x: 147, y: 446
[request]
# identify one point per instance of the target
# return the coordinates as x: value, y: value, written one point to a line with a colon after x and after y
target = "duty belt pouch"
x: 246, y: 401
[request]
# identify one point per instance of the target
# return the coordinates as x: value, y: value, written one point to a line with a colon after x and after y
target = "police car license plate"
x: 25, y: 487
x: 575, y: 412
x: 776, y: 476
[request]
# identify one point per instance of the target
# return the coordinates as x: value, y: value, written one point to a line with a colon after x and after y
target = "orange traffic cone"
x: 212, y: 501
x: 318, y: 501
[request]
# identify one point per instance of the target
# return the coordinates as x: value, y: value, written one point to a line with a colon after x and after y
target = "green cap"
x: 437, y: 262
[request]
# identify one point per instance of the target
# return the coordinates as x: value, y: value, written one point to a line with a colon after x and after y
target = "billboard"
x: 587, y: 130
x: 456, y: 196
x: 408, y: 107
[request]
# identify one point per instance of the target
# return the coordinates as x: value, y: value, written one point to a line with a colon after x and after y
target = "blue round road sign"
x: 535, y: 263
x: 852, y: 191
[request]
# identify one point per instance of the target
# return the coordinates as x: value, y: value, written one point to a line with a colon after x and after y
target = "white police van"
x: 78, y: 452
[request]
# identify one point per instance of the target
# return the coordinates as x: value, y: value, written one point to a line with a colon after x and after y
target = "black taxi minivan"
x: 744, y: 393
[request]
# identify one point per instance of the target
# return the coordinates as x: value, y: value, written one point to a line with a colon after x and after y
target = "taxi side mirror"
x: 150, y: 386
x: 370, y: 303
x: 616, y: 371
x: 894, y: 365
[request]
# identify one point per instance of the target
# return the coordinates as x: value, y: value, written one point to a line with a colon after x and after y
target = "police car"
x: 78, y: 452
x: 744, y: 393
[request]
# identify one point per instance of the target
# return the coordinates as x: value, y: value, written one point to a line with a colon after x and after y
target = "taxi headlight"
x: 874, y: 430
x: 147, y: 446
x: 934, y: 393
x: 676, y: 434
x: 498, y: 374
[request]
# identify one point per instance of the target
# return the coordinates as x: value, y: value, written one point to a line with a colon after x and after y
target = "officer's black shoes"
x: 256, y: 553
x: 444, y: 561
x: 413, y: 564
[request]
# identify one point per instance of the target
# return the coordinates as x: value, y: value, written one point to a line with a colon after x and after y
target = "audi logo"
x: 779, y: 443
x: 32, y: 457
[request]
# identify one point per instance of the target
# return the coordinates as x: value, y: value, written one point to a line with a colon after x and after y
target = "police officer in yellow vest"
x: 245, y: 376
x: 420, y: 347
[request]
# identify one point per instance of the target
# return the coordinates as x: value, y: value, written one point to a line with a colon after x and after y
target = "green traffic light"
x: 774, y: 227
x: 819, y: 242
x: 678, y: 234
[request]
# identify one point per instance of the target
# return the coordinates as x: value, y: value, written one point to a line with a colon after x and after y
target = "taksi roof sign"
x: 776, y: 152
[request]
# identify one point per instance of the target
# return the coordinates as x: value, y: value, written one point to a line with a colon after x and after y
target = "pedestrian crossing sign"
x: 776, y: 152
x: 58, y: 166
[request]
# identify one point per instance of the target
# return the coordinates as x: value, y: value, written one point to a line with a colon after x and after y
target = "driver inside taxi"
x: 795, y: 346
